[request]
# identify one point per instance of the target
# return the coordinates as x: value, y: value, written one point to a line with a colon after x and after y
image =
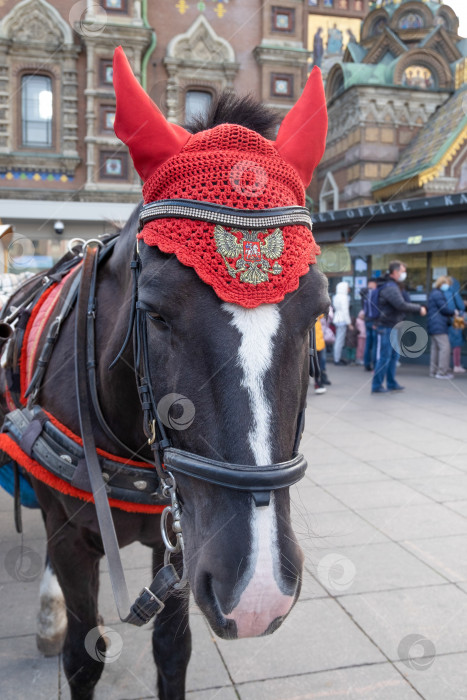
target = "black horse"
x: 245, y: 371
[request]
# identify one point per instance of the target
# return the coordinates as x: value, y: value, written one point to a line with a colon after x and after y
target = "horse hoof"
x: 50, y: 646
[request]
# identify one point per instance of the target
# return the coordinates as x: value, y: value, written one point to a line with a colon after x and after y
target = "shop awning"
x: 411, y: 236
x: 18, y: 210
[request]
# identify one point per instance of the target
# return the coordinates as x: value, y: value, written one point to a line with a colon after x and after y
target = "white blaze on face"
x: 261, y: 600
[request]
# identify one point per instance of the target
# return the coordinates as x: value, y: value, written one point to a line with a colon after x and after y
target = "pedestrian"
x: 439, y: 320
x: 456, y: 330
x: 321, y: 357
x: 392, y: 309
x: 328, y: 332
x: 328, y: 337
x: 361, y: 339
x: 351, y: 342
x: 341, y: 320
x: 371, y: 314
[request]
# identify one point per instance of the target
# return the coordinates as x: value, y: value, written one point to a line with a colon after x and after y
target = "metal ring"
x: 152, y: 438
x: 81, y: 241
x: 172, y: 548
x: 90, y: 241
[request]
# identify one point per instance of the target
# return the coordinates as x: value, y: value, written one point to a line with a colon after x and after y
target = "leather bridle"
x: 259, y: 481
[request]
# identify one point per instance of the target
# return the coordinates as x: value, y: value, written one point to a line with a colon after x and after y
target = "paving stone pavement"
x: 382, y: 518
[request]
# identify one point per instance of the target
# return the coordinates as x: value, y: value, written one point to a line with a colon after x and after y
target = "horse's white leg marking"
x: 51, y: 619
x: 261, y: 600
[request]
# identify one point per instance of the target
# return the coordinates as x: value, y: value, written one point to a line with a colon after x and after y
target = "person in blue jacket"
x: 392, y: 305
x: 439, y: 319
x: 456, y: 335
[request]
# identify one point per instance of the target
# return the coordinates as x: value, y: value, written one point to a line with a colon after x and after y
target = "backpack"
x: 371, y: 304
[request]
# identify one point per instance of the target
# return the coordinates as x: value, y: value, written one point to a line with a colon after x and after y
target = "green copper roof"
x: 368, y: 73
x: 433, y: 141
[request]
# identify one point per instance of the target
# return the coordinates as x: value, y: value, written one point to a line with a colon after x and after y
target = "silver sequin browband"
x: 226, y: 216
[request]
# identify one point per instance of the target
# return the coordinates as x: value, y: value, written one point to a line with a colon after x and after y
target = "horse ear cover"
x: 229, y: 165
x: 151, y: 139
x: 302, y: 135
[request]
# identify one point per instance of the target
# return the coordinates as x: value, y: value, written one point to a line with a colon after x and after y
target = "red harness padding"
x: 46, y: 307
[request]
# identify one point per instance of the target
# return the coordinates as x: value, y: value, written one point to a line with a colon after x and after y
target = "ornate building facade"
x: 331, y: 25
x: 57, y: 103
x: 398, y: 124
x: 393, y: 180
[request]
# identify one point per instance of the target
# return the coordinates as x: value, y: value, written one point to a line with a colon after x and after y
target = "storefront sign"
x: 377, y: 211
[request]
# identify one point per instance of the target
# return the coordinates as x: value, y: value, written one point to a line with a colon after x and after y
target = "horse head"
x: 228, y: 308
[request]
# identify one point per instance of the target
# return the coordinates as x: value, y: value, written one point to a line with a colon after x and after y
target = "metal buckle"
x: 155, y: 599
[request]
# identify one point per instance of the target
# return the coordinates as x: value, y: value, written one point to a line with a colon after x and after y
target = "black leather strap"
x: 258, y: 480
x: 92, y: 368
x: 144, y: 608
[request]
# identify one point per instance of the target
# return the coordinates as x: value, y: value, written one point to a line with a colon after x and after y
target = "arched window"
x: 197, y: 103
x: 411, y: 20
x: 329, y: 195
x: 418, y: 76
x: 36, y: 111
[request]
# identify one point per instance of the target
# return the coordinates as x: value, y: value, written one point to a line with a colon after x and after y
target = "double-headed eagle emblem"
x: 253, y: 255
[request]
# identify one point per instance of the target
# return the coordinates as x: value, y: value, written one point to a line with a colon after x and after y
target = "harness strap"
x: 92, y: 365
x: 52, y: 335
x: 63, y: 457
x: 17, y: 500
x: 150, y: 600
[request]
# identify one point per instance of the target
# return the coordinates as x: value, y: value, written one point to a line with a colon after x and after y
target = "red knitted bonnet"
x: 231, y: 166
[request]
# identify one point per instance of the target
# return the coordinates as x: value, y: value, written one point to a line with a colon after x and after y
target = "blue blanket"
x: 7, y: 481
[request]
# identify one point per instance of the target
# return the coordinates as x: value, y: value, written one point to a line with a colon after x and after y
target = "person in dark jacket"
x: 440, y: 314
x: 392, y: 307
x: 371, y: 314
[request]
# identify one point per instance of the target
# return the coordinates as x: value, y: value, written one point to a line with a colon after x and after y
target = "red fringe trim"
x: 8, y: 445
x: 103, y: 453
